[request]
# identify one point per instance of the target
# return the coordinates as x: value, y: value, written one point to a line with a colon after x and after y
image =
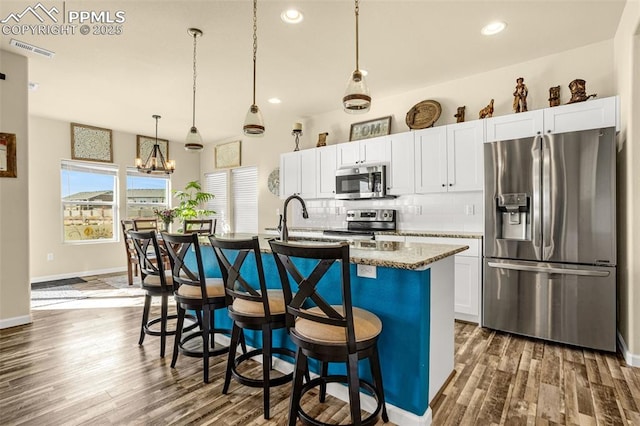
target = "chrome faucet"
x: 284, y: 232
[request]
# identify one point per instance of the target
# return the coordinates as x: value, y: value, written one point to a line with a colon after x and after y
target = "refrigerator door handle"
x: 547, y: 195
x: 536, y: 201
x: 549, y: 269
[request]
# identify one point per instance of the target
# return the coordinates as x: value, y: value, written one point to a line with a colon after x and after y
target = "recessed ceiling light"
x: 292, y: 16
x: 493, y: 28
x: 274, y: 101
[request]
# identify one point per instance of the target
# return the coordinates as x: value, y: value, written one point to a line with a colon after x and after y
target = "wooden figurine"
x: 322, y: 139
x: 554, y: 96
x: 579, y: 91
x: 487, y: 111
x: 520, y: 96
x: 460, y: 115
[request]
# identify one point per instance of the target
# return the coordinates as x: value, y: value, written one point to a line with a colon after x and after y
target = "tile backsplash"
x: 429, y: 212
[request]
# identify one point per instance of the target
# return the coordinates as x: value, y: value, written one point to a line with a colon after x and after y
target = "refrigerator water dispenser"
x: 514, y: 214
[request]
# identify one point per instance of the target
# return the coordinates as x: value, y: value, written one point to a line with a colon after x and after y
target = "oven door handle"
x: 549, y: 269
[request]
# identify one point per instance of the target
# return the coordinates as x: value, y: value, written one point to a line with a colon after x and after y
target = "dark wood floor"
x: 79, y: 363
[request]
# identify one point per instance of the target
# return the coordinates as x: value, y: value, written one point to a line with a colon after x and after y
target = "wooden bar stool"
x: 328, y: 333
x: 156, y: 282
x: 194, y: 292
x: 251, y: 306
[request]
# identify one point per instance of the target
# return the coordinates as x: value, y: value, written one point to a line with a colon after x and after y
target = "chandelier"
x: 253, y: 122
x: 155, y: 162
x: 194, y: 140
x: 356, y: 98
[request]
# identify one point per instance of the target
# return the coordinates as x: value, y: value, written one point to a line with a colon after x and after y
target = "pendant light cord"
x: 357, y: 36
x: 195, y: 35
x: 255, y: 45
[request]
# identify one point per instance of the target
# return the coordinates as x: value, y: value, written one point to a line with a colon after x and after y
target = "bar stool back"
x: 155, y: 281
x: 328, y: 333
x: 251, y: 306
x: 194, y: 292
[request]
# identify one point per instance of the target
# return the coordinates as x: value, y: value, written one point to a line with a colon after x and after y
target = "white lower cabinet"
x: 468, y: 277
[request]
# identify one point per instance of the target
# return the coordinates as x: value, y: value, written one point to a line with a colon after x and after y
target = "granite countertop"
x: 404, y: 233
x: 387, y: 254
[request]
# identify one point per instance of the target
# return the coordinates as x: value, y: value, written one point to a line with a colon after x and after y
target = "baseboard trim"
x: 368, y: 403
x: 15, y: 321
x: 632, y: 360
x: 77, y: 274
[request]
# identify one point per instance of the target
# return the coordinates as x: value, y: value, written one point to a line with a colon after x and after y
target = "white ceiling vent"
x: 31, y: 48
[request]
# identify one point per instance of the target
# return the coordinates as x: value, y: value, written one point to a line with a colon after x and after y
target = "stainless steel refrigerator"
x: 550, y: 237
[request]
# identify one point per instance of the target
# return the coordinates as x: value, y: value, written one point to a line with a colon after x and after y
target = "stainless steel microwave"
x: 363, y: 182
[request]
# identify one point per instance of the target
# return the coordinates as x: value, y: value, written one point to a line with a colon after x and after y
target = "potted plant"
x: 191, y: 199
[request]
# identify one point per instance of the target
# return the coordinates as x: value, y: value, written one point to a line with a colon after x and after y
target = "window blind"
x: 216, y: 184
x: 244, y: 182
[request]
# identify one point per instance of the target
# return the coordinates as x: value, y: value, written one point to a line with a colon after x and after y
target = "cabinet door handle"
x: 450, y: 184
x: 443, y: 185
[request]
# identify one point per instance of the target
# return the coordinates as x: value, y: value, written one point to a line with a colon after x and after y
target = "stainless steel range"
x: 363, y: 223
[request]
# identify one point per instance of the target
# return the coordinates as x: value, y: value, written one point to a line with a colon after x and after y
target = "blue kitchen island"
x: 410, y: 287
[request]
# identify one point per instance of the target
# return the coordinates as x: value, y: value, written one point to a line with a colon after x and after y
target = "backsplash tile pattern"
x: 429, y: 212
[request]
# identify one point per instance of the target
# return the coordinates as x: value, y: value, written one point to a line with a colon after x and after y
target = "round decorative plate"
x: 274, y: 181
x: 423, y: 114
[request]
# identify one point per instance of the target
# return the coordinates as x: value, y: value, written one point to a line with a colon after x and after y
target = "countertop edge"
x: 404, y: 233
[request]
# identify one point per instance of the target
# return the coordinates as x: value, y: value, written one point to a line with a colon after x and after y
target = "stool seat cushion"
x: 154, y: 280
x: 248, y: 307
x: 215, y: 288
x: 366, y: 325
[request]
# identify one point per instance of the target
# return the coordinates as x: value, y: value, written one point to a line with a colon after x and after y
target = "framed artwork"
x: 91, y: 143
x: 8, y: 155
x: 228, y: 155
x: 144, y: 146
x: 370, y: 129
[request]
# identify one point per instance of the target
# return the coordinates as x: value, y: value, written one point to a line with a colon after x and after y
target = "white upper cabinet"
x: 326, y: 172
x: 592, y: 114
x: 401, y: 173
x: 465, y: 161
x: 368, y: 151
x: 298, y: 174
x: 430, y: 160
x: 449, y: 158
x: 515, y: 126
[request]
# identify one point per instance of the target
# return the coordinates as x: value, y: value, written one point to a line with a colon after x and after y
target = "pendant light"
x: 193, y: 141
x: 356, y: 98
x: 253, y: 122
x: 155, y: 162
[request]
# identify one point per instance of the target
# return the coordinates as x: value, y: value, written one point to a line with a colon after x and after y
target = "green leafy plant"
x: 191, y: 199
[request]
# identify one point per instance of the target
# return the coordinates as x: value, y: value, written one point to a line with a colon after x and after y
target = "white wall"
x: 15, y: 290
x: 50, y: 143
x: 627, y: 70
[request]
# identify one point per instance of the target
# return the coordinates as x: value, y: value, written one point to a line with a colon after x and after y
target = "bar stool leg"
x: 266, y: 366
x: 164, y: 307
x: 206, y: 321
x: 354, y: 388
x: 176, y: 343
x: 376, y: 373
x: 145, y: 317
x: 233, y: 347
x: 324, y: 370
x: 296, y: 393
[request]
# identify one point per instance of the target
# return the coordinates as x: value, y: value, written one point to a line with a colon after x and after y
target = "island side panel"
x: 441, y: 356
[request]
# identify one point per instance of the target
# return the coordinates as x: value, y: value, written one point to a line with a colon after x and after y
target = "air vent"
x: 31, y: 48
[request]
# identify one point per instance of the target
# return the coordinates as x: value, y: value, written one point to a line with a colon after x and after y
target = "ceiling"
x: 119, y: 81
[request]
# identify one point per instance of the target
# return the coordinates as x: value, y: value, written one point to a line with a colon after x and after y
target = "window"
x: 145, y: 193
x: 216, y: 184
x: 244, y: 184
x: 240, y: 203
x: 89, y: 201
